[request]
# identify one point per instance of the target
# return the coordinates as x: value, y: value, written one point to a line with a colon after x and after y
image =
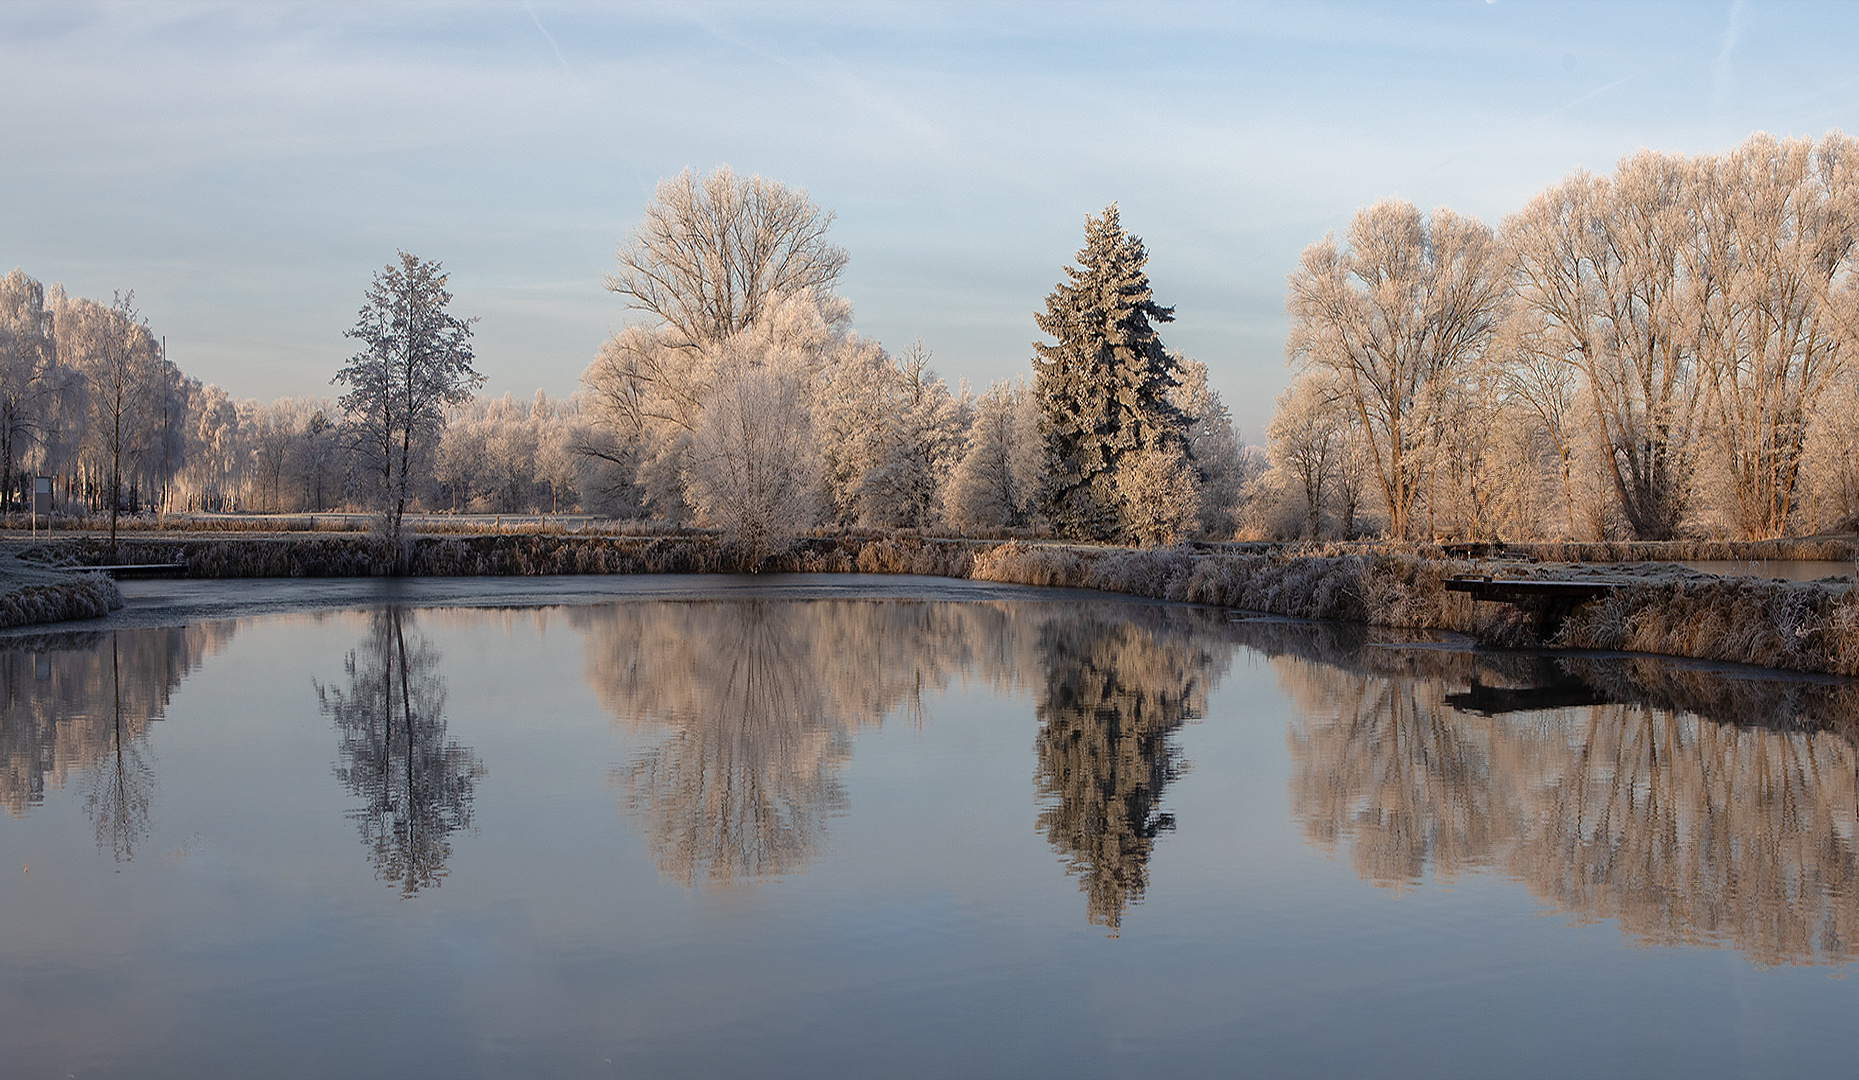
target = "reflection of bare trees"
x: 415, y: 787
x: 122, y: 785
x: 1115, y: 691
x: 81, y: 704
x: 1680, y: 827
x: 755, y: 704
x: 757, y: 701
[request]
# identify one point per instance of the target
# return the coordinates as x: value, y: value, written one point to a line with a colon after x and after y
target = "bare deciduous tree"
x: 415, y: 361
x: 1391, y: 316
x: 752, y: 471
x: 1601, y: 261
x: 1775, y: 226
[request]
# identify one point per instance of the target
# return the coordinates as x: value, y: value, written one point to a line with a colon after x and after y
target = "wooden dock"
x: 1546, y: 602
x: 131, y: 570
x: 1520, y: 590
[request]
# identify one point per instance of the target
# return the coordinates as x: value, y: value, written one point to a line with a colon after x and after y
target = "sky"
x: 247, y: 168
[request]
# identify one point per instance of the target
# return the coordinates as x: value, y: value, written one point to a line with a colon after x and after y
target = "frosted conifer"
x: 1103, y: 388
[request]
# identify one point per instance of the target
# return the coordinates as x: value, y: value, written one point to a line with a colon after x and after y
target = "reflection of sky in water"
x: 880, y: 837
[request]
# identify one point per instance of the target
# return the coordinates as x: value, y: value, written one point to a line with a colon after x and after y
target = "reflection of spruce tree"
x: 415, y: 787
x: 1114, y: 693
x: 752, y: 705
x: 122, y: 785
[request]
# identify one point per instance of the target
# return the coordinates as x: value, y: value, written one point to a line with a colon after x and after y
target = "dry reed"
x: 1796, y: 626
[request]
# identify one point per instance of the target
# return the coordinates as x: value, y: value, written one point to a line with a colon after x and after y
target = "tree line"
x: 743, y: 399
x: 1659, y: 352
x: 89, y: 397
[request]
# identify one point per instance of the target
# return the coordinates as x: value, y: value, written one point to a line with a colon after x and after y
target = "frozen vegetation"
x: 1662, y: 354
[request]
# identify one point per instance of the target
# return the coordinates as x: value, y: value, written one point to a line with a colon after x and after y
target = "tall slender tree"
x: 1103, y: 388
x: 414, y: 362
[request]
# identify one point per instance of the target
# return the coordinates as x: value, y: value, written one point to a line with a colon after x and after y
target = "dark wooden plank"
x: 1515, y: 589
x: 132, y: 570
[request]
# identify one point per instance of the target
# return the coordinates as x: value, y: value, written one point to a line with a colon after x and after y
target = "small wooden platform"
x: 1482, y: 549
x: 1518, y: 590
x: 132, y: 570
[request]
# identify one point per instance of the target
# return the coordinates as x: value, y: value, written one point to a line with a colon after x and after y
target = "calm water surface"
x: 1785, y: 569
x: 825, y: 829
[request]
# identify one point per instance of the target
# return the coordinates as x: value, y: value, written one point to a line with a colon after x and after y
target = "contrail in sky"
x: 546, y: 36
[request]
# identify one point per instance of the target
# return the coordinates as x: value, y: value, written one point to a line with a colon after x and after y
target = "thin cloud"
x: 1723, y: 72
x: 548, y: 37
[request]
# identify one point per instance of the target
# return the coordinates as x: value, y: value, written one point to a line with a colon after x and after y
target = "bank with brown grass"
x: 1653, y: 608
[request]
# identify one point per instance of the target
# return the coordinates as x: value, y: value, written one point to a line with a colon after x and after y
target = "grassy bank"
x: 1806, y: 549
x: 31, y: 595
x: 1654, y: 608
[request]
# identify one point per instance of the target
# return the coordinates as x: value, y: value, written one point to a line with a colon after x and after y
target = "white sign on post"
x: 41, y: 502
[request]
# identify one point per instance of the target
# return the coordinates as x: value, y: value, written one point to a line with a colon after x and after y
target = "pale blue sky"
x: 245, y: 169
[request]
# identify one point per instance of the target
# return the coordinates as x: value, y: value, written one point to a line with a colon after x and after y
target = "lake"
x: 901, y: 827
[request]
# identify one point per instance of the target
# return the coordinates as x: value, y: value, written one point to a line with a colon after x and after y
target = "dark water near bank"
x: 822, y: 828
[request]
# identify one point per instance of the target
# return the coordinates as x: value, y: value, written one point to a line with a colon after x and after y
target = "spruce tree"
x: 1103, y: 388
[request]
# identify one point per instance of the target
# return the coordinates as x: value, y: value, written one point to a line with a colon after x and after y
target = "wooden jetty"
x: 1549, y: 601
x: 131, y: 570
x: 1520, y: 590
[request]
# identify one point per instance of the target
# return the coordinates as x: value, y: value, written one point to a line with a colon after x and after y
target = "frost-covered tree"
x: 1213, y: 447
x: 1104, y: 385
x: 1391, y: 314
x: 415, y: 360
x: 29, y: 376
x: 713, y: 255
x: 210, y: 477
x: 1305, y: 437
x: 1776, y: 225
x: 751, y: 469
x: 892, y: 433
x: 1160, y: 497
x: 711, y: 259
x: 995, y: 483
x: 120, y: 363
x: 1600, y: 260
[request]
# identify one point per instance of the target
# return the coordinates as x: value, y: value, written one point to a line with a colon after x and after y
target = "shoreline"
x: 1654, y: 609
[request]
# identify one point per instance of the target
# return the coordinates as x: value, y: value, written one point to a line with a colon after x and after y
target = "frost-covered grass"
x: 30, y: 595
x: 1655, y: 608
x: 1791, y: 625
x: 1805, y: 549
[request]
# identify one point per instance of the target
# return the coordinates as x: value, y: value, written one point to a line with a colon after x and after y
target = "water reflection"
x: 1644, y: 809
x: 1116, y: 690
x: 415, y: 786
x: 755, y: 703
x: 80, y: 705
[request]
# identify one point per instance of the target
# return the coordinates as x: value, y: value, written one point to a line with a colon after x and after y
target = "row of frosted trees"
x: 744, y: 400
x: 1661, y: 352
x: 89, y: 397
